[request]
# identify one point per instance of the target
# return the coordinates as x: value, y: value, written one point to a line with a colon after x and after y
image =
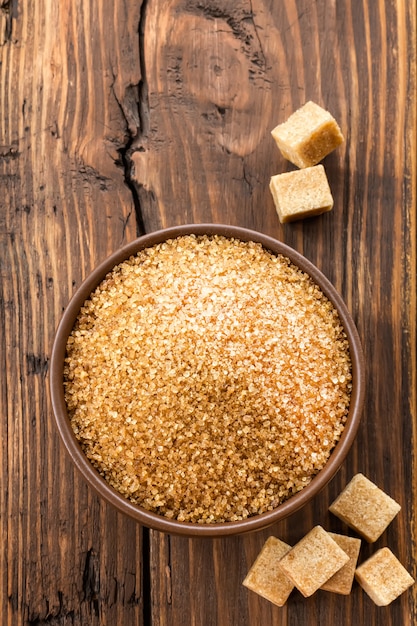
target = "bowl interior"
x: 154, y: 520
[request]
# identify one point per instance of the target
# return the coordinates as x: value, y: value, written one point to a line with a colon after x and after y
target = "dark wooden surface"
x: 119, y: 117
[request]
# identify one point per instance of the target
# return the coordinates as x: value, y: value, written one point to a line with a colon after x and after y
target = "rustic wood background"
x: 119, y: 117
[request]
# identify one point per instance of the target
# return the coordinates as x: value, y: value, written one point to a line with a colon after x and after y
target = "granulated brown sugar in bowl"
x: 208, y: 379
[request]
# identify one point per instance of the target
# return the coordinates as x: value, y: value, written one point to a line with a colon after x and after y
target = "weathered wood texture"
x: 120, y: 117
x: 69, y: 75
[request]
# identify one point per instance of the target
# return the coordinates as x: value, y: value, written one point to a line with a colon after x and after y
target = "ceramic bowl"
x: 157, y: 521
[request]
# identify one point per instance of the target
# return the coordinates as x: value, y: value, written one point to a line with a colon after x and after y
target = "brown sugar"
x: 342, y: 581
x: 308, y: 135
x: 301, y: 193
x: 208, y: 379
x: 365, y: 507
x: 383, y: 577
x: 265, y: 577
x: 313, y: 560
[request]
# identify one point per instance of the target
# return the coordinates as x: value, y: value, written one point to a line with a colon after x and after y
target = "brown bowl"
x: 157, y: 521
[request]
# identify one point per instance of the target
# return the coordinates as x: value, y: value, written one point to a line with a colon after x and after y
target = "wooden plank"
x: 69, y: 78
x: 219, y: 77
x: 185, y: 93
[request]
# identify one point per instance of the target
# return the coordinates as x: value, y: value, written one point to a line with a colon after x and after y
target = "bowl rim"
x: 157, y: 521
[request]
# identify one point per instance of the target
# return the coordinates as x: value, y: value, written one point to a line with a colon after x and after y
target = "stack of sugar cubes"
x: 307, y: 136
x: 328, y: 561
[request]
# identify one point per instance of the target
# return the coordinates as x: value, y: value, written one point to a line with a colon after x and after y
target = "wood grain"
x: 220, y: 76
x: 68, y: 111
x: 121, y: 117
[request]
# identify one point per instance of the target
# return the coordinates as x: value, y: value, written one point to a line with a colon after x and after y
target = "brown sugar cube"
x: 383, y: 577
x: 301, y: 193
x: 342, y: 581
x: 265, y: 578
x: 313, y: 560
x: 308, y: 135
x: 365, y: 507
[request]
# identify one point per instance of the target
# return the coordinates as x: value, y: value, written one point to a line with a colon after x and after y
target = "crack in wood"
x: 8, y: 13
x: 146, y: 577
x: 137, y: 136
x: 125, y: 222
x: 9, y: 153
x: 88, y: 173
x: 246, y: 178
x: 37, y: 364
x: 91, y: 582
x: 255, y: 27
x: 57, y: 617
x: 144, y: 116
x: 242, y: 24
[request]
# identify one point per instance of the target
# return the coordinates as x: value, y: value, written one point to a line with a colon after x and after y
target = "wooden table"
x: 119, y: 117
